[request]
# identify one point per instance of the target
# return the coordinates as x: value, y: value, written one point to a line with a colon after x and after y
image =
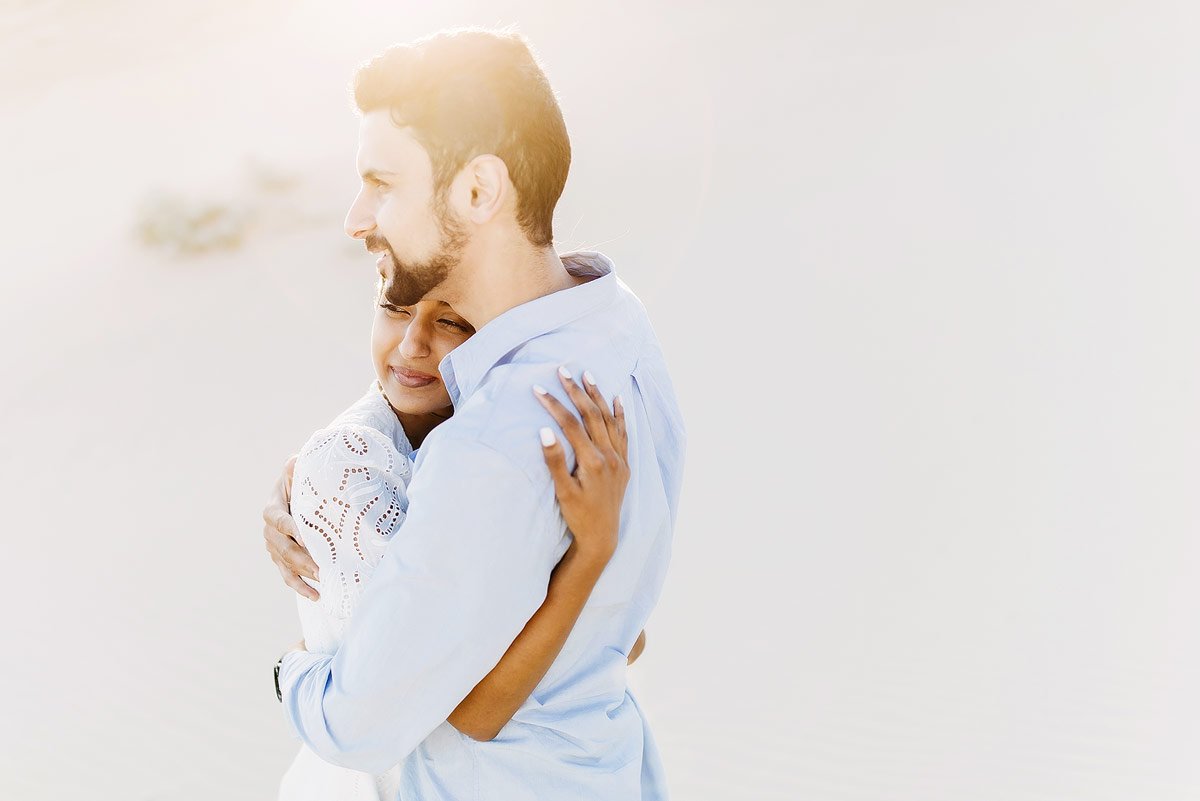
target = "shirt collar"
x: 464, y: 367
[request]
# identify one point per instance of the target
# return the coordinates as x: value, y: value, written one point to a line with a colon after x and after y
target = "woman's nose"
x: 415, y: 344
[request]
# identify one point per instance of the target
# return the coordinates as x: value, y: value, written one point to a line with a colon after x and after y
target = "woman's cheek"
x: 385, y: 336
x: 447, y: 342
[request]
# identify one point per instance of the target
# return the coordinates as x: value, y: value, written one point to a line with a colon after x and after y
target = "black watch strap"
x: 278, y: 691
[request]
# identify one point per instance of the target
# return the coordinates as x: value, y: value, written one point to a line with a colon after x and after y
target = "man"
x: 463, y: 155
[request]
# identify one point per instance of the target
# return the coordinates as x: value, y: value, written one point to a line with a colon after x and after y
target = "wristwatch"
x: 278, y: 691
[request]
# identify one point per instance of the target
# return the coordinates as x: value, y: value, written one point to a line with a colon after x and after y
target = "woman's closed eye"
x: 393, y: 309
x: 466, y: 329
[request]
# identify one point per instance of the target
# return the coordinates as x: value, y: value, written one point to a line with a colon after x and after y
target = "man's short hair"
x: 466, y: 93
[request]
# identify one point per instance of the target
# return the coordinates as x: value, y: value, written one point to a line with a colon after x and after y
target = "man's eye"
x: 453, y: 324
x: 393, y: 309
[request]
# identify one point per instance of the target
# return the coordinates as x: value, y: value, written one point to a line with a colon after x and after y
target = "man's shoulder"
x: 502, y: 412
x: 502, y: 415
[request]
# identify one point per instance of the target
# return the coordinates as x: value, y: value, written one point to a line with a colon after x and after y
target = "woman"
x: 349, y: 498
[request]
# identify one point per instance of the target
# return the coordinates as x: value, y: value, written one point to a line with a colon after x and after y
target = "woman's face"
x: 407, y: 344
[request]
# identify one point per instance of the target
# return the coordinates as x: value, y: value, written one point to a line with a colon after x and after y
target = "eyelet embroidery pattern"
x: 349, y: 498
x: 361, y: 450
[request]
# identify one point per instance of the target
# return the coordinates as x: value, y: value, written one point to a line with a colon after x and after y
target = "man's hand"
x: 283, y: 540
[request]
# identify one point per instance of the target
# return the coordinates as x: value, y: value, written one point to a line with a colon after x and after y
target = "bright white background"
x: 926, y: 274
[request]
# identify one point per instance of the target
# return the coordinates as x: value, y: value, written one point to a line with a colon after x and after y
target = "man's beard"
x: 412, y: 281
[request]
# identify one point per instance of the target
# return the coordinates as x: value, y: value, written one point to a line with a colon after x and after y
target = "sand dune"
x: 923, y: 274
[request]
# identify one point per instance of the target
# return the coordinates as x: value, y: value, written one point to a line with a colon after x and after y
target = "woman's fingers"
x: 610, y: 421
x: 621, y: 435
x: 556, y: 460
x: 604, y: 431
x: 593, y: 416
x: 585, y: 451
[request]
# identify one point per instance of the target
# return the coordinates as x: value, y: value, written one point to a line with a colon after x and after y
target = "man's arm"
x: 464, y: 573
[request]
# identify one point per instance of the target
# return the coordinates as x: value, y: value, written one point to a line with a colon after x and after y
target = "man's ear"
x: 486, y: 188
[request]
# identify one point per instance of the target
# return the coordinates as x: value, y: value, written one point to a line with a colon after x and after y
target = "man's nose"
x: 360, y: 220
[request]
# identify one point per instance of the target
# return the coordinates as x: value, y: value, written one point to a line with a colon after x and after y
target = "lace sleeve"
x: 348, y: 499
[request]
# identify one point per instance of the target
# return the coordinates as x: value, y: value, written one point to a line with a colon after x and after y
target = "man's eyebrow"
x: 376, y: 175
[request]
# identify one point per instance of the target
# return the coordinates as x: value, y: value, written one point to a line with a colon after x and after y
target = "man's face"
x: 399, y: 216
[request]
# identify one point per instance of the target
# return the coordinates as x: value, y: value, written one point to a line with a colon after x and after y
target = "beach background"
x: 926, y: 275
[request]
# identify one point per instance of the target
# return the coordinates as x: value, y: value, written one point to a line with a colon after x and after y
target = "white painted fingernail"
x: 588, y: 377
x: 618, y: 403
x: 539, y: 389
x: 565, y: 373
x: 547, y: 437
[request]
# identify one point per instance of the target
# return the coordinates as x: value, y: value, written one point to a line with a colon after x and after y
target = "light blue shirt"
x: 470, y: 566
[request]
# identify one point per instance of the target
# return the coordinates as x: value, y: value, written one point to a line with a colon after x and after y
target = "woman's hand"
x: 590, y: 497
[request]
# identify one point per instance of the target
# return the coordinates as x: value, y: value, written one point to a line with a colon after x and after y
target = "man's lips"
x: 413, y: 379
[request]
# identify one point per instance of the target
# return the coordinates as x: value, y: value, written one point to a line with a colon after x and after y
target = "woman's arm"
x: 500, y: 694
x: 590, y: 500
x: 638, y: 646
x: 493, y: 702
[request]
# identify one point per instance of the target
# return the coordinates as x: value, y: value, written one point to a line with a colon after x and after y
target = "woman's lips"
x: 412, y: 378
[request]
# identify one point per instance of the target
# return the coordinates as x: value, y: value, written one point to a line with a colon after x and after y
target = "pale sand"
x: 950, y: 556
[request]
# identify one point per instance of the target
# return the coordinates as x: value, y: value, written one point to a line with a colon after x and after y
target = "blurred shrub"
x: 267, y: 200
x: 188, y: 226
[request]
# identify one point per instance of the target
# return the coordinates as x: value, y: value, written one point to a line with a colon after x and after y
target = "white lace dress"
x: 348, y: 498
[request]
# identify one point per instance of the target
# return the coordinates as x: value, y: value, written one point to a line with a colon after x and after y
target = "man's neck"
x: 498, y: 276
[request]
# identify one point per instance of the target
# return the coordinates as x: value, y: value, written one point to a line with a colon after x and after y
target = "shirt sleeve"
x: 456, y: 584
